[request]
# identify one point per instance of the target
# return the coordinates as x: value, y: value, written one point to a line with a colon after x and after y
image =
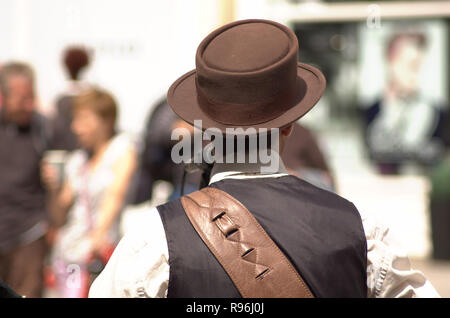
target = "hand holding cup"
x: 52, y: 169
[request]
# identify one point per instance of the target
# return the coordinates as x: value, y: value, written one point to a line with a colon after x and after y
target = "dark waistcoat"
x: 320, y: 233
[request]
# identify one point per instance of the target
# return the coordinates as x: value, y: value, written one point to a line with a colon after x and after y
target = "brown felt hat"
x: 247, y: 75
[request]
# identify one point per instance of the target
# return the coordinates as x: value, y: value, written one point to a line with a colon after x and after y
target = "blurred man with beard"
x: 22, y: 197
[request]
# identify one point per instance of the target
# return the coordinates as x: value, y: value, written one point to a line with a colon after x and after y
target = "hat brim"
x: 182, y: 97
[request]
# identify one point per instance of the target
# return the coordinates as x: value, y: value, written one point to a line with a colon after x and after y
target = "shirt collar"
x: 222, y: 171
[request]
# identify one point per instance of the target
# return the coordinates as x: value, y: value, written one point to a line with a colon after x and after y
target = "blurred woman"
x: 86, y: 207
x: 76, y: 60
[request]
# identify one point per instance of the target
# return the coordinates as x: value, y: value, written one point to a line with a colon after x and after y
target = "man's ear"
x: 287, y: 131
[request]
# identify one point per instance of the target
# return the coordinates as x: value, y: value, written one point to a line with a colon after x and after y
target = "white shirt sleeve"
x: 139, y: 266
x: 389, y: 272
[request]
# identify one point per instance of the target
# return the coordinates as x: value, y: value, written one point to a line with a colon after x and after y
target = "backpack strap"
x: 252, y: 260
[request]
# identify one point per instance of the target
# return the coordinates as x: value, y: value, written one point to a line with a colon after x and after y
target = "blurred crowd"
x: 66, y: 178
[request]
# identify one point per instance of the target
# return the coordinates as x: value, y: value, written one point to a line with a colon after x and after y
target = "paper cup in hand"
x: 56, y: 159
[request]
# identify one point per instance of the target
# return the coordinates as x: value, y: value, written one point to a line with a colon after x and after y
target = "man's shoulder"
x: 143, y: 230
x: 290, y: 185
x: 313, y: 189
x: 169, y: 209
x: 290, y: 191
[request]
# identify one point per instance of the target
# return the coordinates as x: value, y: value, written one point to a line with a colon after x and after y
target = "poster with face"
x: 404, y: 71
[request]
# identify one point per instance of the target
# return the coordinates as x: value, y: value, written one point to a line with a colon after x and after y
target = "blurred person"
x: 404, y: 125
x: 87, y: 206
x: 75, y: 60
x: 304, y: 158
x: 23, y: 223
x: 247, y: 75
x: 155, y: 162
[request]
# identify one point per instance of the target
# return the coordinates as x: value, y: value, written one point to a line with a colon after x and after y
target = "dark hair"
x: 419, y: 40
x: 75, y: 59
x: 14, y: 68
x: 243, y: 144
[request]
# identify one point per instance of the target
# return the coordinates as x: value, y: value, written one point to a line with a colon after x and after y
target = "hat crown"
x: 247, y: 48
x: 247, y: 75
x: 244, y: 68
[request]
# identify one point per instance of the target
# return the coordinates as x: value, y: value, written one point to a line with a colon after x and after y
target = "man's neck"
x: 259, y: 167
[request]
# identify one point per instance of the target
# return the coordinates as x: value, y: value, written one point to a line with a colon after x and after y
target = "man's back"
x: 320, y: 233
x: 248, y: 83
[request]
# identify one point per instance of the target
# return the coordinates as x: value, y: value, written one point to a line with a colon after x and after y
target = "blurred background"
x: 381, y: 132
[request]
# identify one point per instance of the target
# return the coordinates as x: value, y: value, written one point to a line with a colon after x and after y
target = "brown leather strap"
x: 254, y: 263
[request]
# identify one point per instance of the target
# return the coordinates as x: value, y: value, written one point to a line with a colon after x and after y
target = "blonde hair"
x: 100, y: 102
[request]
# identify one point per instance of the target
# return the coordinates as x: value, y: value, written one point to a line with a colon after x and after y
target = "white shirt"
x: 139, y: 266
x: 73, y: 244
